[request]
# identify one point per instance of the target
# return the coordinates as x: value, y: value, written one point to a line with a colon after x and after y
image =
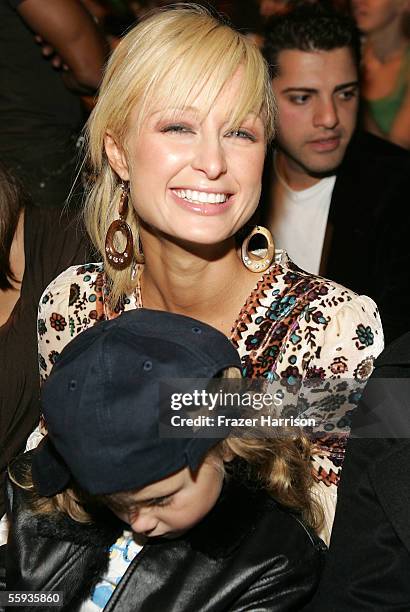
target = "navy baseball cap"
x: 101, y: 402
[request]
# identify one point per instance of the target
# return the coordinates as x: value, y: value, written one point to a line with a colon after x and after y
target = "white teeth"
x: 201, y: 196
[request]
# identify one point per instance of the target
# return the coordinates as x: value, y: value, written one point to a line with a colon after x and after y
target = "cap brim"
x: 49, y: 472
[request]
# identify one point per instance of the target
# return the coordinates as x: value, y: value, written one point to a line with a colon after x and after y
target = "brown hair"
x: 12, y: 202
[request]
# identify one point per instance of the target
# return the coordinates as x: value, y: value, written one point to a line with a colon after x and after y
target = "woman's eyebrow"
x: 175, y: 109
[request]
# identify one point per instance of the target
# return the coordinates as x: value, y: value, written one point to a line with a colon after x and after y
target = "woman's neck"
x: 204, y: 283
x: 387, y: 43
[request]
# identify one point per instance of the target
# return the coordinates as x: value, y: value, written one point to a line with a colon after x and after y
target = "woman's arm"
x: 346, y: 350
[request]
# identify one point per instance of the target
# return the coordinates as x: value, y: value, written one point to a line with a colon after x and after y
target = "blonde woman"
x: 176, y: 146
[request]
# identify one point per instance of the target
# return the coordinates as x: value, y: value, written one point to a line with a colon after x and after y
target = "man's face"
x: 317, y: 96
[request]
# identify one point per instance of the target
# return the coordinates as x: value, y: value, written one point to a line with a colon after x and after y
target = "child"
x: 200, y: 535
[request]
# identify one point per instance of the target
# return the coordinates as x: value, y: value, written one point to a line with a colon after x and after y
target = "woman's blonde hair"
x: 170, y: 57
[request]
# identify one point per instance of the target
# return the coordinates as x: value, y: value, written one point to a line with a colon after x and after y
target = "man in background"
x: 334, y: 197
x: 41, y: 115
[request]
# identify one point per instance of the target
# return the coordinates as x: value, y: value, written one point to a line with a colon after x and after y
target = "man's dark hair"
x: 310, y: 27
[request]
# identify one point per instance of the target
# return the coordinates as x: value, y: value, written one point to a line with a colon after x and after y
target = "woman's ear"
x: 116, y: 156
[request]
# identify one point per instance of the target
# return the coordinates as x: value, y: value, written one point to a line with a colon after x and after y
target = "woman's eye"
x: 242, y: 134
x: 176, y: 128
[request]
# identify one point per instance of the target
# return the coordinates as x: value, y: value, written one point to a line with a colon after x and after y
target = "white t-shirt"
x: 299, y: 219
x: 121, y: 554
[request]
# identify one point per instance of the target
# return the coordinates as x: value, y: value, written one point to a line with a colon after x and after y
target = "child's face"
x: 173, y: 505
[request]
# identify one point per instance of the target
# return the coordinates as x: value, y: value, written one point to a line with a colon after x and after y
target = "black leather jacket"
x: 247, y: 554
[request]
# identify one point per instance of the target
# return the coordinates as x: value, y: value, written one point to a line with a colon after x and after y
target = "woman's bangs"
x: 197, y: 77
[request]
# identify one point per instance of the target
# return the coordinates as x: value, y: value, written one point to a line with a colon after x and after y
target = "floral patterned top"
x: 293, y: 327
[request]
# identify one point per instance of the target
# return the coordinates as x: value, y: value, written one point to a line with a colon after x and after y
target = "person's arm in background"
x: 68, y: 27
x: 400, y: 130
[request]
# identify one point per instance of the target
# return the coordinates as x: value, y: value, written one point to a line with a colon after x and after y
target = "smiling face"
x: 374, y: 15
x: 317, y: 97
x: 172, y: 505
x: 193, y: 176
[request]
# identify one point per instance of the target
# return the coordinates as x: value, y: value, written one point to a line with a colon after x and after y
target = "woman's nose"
x: 210, y: 157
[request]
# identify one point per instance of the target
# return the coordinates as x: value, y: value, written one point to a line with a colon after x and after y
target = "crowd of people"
x: 186, y: 195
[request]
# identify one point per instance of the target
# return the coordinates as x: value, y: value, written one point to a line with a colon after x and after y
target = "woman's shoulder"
x: 289, y: 294
x: 295, y: 324
x: 79, y: 273
x: 306, y: 285
x: 71, y: 303
x: 74, y: 288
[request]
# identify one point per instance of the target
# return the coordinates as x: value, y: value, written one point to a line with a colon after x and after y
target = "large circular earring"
x: 120, y: 260
x: 255, y: 263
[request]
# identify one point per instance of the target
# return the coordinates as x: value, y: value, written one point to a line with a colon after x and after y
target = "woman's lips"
x: 202, y: 208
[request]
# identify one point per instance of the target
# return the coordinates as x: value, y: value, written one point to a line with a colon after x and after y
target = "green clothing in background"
x: 384, y: 110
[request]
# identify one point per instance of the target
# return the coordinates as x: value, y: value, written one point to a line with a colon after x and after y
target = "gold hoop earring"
x: 257, y: 264
x: 120, y: 260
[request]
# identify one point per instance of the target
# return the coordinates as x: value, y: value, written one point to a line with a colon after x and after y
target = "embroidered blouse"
x: 294, y: 327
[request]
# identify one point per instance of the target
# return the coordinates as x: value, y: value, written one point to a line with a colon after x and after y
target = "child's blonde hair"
x: 281, y: 466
